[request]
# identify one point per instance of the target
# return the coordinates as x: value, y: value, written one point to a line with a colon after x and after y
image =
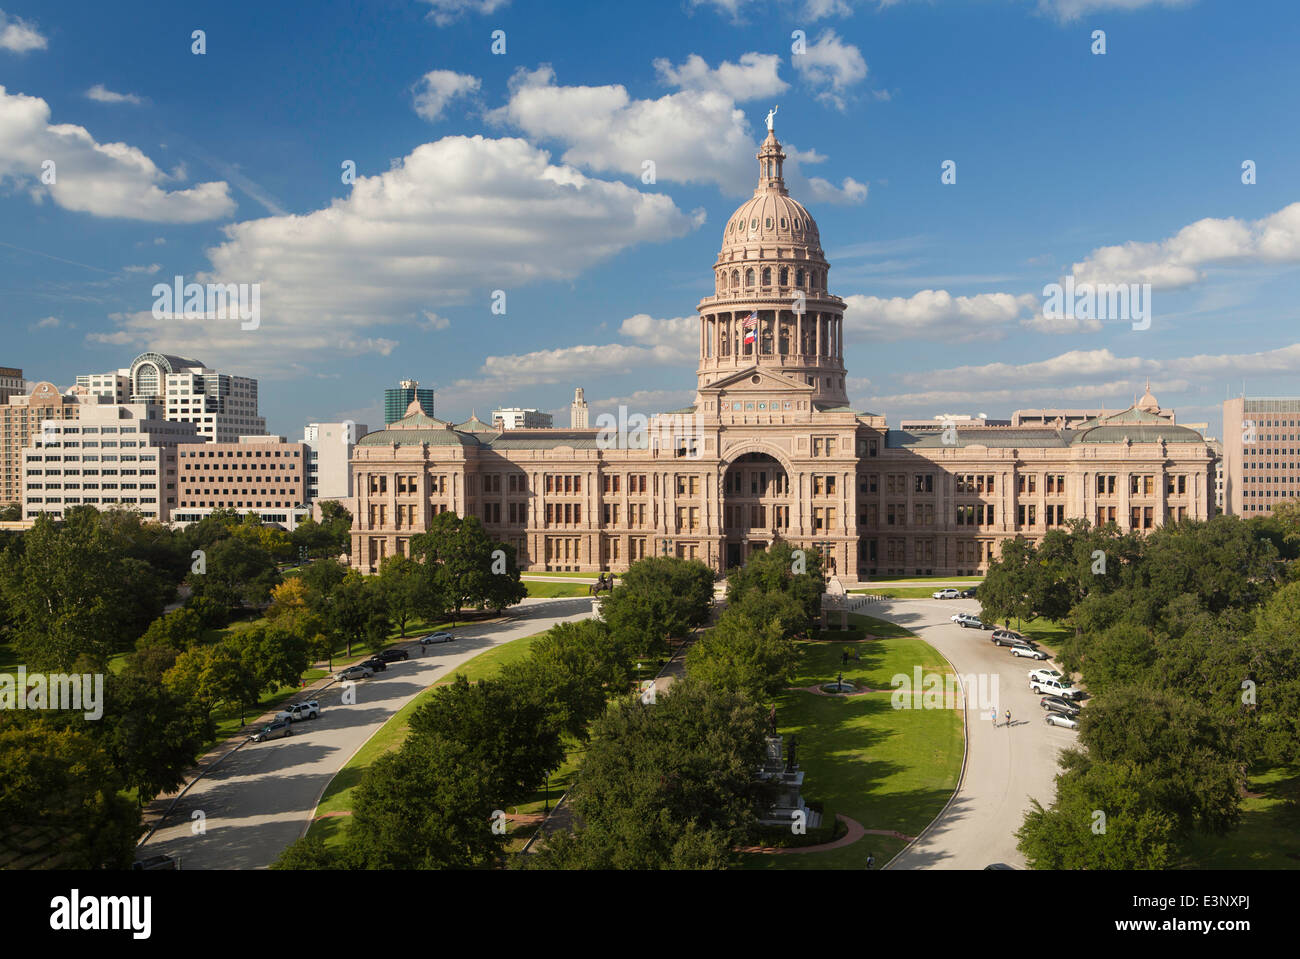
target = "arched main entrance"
x: 755, y: 505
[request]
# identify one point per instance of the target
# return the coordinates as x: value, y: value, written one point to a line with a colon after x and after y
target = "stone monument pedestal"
x: 782, y: 782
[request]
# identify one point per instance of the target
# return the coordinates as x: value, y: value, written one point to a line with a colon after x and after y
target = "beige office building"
x: 21, y: 417
x: 1261, y: 454
x: 114, y: 455
x: 770, y: 449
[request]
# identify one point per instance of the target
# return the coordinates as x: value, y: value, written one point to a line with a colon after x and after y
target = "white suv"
x: 947, y: 594
x: 1046, y: 685
x: 300, y: 711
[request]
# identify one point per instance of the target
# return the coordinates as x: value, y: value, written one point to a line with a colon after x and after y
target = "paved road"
x: 1005, y: 767
x: 260, y: 799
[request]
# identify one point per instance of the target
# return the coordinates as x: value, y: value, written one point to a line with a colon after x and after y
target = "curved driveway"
x: 260, y: 798
x: 1005, y: 767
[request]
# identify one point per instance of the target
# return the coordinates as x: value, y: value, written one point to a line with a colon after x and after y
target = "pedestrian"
x: 993, y: 715
x: 844, y: 658
x: 1008, y: 717
x: 871, y: 861
x: 857, y: 655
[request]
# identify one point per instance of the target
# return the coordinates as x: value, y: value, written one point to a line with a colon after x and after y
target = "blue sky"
x: 522, y: 172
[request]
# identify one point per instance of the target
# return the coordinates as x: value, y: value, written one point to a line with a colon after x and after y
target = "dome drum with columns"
x: 772, y: 264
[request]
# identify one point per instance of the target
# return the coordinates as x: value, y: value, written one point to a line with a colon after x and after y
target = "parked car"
x: 1025, y: 650
x: 946, y: 594
x: 296, y: 712
x: 1044, y: 672
x: 374, y: 663
x: 1060, y: 704
x: 969, y: 593
x: 436, y: 638
x: 1006, y: 637
x: 1061, y: 719
x: 354, y: 672
x: 393, y: 655
x: 277, y: 729
x: 969, y: 620
x: 157, y: 862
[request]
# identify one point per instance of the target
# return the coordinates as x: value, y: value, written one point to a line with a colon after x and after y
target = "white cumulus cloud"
x: 19, y: 36
x: 103, y: 179
x: 437, y: 88
x: 102, y: 94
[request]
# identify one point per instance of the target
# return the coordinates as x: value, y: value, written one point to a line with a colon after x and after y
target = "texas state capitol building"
x: 771, y: 449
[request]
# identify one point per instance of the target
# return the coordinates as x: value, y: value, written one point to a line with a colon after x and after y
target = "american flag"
x: 752, y: 320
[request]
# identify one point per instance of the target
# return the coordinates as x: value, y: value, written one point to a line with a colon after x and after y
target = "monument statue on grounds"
x: 771, y: 114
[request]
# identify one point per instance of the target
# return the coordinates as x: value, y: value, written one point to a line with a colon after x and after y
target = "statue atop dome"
x: 771, y: 115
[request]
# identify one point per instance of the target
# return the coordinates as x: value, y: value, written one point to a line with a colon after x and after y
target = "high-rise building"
x: 578, y: 411
x: 397, y: 400
x: 329, y: 475
x: 112, y: 455
x: 21, y: 417
x: 11, y: 383
x: 516, y: 418
x: 223, y: 406
x: 1261, y: 454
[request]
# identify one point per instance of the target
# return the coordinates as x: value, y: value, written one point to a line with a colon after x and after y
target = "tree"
x: 60, y: 800
x: 785, y: 569
x: 72, y: 592
x: 336, y: 524
x: 1187, y: 753
x: 426, y: 806
x: 238, y: 572
x: 149, y: 733
x: 572, y: 671
x: 406, y: 588
x: 1011, y: 584
x: 509, y: 733
x: 745, y: 654
x: 505, y: 587
x: 180, y: 629
x: 659, y: 598
x: 1136, y: 833
x: 320, y: 579
x: 665, y: 786
x: 459, y: 553
x: 355, y: 612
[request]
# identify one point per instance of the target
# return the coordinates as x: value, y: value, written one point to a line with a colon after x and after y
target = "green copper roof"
x: 476, y: 425
x: 981, y: 436
x: 418, y: 437
x: 544, y: 439
x: 1137, y: 433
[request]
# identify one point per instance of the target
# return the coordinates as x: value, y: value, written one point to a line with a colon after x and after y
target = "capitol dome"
x: 771, y: 307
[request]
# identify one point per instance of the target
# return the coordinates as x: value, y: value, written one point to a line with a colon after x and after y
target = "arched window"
x: 749, y: 277
x: 735, y: 279
x: 785, y: 276
x: 767, y: 276
x: 798, y: 278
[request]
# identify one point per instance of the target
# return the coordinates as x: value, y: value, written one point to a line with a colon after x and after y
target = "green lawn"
x: 1269, y: 834
x: 338, y: 794
x: 551, y: 590
x: 898, y: 592
x: 1046, y: 631
x: 927, y: 579
x: 887, y: 768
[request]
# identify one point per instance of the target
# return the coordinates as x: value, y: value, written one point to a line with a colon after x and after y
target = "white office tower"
x: 329, y: 475
x: 222, y: 406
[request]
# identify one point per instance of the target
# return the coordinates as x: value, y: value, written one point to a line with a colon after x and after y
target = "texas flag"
x: 750, y: 324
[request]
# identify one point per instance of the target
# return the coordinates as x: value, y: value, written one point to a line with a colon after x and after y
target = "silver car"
x: 354, y: 672
x: 277, y: 729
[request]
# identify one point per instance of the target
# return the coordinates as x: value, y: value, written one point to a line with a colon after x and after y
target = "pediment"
x: 757, y: 379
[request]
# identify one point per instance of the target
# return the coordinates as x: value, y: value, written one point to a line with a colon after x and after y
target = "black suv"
x: 377, y: 664
x: 393, y: 655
